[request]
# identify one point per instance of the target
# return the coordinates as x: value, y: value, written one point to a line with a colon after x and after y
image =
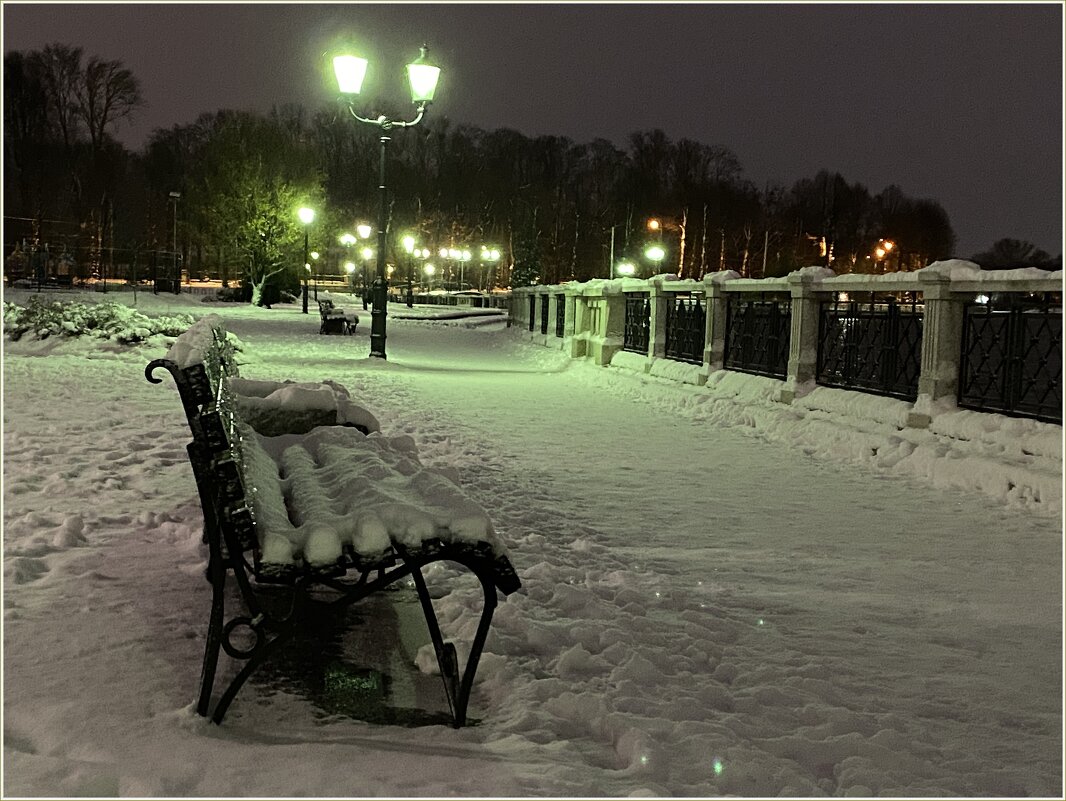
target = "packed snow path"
x: 704, y: 612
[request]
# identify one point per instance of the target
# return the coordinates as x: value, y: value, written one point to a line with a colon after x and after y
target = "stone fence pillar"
x: 657, y: 302
x: 803, y: 338
x: 614, y: 327
x: 941, y: 347
x: 716, y: 311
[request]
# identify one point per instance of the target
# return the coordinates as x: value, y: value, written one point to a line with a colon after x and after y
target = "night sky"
x: 960, y: 103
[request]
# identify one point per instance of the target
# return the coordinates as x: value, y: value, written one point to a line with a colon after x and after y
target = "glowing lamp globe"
x: 306, y: 215
x: 350, y: 71
x: 422, y: 76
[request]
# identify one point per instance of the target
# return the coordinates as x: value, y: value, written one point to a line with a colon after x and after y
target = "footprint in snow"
x: 24, y: 569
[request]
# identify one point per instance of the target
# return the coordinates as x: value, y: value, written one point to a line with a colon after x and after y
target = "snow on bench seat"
x: 317, y: 495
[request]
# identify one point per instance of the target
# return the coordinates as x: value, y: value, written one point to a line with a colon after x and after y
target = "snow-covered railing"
x: 744, y: 329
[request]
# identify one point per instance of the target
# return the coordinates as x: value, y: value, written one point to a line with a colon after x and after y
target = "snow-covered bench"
x: 337, y: 506
x: 334, y: 320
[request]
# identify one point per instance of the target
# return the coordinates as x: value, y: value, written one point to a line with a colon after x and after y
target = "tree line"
x: 557, y: 209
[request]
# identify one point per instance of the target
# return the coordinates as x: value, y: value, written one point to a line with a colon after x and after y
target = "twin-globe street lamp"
x: 422, y: 79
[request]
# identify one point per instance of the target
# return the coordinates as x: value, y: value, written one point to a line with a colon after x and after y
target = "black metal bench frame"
x: 230, y: 533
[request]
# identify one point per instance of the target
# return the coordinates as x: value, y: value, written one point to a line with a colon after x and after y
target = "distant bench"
x: 268, y: 464
x: 334, y: 320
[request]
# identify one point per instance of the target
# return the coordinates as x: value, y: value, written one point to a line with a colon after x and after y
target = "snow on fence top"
x: 957, y: 271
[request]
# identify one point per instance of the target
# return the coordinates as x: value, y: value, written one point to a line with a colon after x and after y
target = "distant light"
x: 843, y: 297
x: 443, y: 253
x: 655, y: 253
x: 347, y: 240
x: 429, y: 269
x: 367, y: 253
x: 718, y: 766
x: 887, y: 245
x: 306, y: 215
x: 880, y: 253
x: 625, y: 268
x: 363, y: 230
x: 349, y: 266
x: 762, y: 622
x: 982, y: 299
x: 409, y: 243
x: 653, y: 224
x: 314, y: 255
x: 465, y: 255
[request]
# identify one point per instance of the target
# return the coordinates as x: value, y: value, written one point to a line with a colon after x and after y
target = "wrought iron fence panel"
x: 638, y: 323
x: 872, y: 345
x: 532, y: 310
x: 544, y: 314
x: 686, y: 328
x: 1012, y: 357
x: 757, y: 336
x: 560, y: 315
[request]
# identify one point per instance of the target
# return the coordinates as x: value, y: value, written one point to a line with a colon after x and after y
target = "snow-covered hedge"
x: 42, y: 318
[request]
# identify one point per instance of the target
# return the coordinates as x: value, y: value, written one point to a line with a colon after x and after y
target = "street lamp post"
x: 176, y: 286
x: 422, y: 79
x: 306, y: 216
x: 349, y: 267
x: 367, y: 254
x: 409, y: 248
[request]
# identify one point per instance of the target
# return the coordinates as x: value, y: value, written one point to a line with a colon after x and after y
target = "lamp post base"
x: 378, y: 314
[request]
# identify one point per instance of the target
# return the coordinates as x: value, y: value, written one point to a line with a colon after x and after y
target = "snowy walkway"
x: 705, y: 612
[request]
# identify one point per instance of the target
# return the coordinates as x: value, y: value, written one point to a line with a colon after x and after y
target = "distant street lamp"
x: 422, y: 78
x: 409, y: 247
x: 349, y: 267
x: 175, y: 196
x: 307, y: 216
x: 655, y: 254
x: 314, y: 273
x: 429, y: 269
x: 491, y: 256
x: 625, y: 268
x: 367, y: 254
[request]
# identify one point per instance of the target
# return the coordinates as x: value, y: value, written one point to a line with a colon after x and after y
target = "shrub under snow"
x: 42, y: 318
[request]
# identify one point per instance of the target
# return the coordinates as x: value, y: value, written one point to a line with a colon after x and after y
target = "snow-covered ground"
x: 721, y: 595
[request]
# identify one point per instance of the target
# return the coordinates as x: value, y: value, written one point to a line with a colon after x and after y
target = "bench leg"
x: 458, y: 692
x: 261, y: 652
x: 216, y: 572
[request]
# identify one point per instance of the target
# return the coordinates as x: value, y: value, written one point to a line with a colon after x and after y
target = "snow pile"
x: 195, y: 343
x: 42, y: 318
x: 288, y: 407
x: 1017, y: 462
x: 319, y: 493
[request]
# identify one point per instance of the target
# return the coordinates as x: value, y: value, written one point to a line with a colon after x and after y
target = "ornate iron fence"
x: 872, y: 345
x: 532, y: 310
x: 544, y: 314
x: 560, y: 315
x: 757, y: 337
x: 638, y: 323
x: 686, y: 328
x: 1012, y: 357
